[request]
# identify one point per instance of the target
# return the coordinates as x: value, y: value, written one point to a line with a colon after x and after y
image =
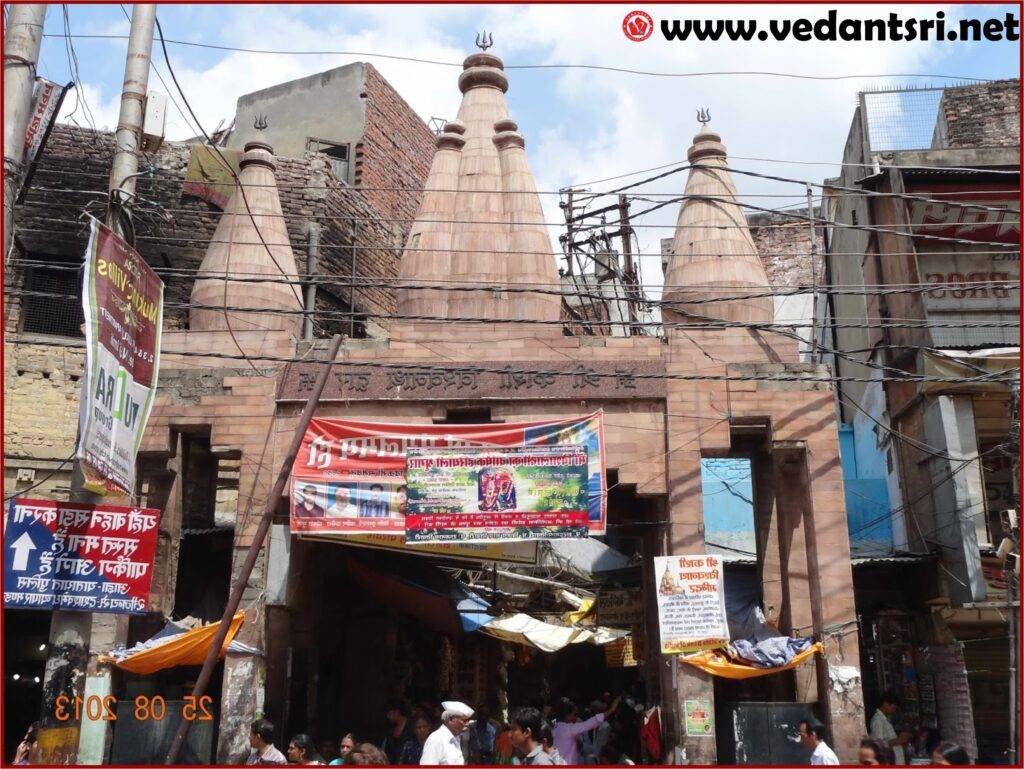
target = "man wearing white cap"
x: 442, y: 747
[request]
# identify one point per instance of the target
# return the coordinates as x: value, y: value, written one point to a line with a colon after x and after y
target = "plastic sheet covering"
x: 189, y: 648
x: 524, y: 629
x: 717, y: 664
x: 974, y: 363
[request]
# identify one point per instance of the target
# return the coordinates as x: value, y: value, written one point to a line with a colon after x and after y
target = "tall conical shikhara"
x: 239, y: 250
x: 480, y: 221
x: 713, y: 253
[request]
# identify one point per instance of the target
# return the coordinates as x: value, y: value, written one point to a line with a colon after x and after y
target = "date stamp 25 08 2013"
x: 96, y: 708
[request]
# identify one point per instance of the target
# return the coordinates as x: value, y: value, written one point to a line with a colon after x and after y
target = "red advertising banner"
x: 350, y: 476
x: 65, y: 555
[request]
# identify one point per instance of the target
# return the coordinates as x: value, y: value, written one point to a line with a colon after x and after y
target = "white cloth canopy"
x: 524, y: 629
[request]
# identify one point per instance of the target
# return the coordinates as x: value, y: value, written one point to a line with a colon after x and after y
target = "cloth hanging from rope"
x: 209, y: 174
x: 175, y: 650
x: 717, y: 663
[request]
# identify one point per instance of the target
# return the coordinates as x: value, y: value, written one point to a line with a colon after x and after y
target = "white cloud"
x: 86, y: 107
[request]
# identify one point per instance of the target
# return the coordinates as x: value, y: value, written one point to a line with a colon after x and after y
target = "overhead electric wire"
x: 1004, y: 247
x: 405, y: 284
x: 597, y: 67
x: 701, y: 323
x: 666, y: 226
x: 935, y: 195
x: 542, y: 372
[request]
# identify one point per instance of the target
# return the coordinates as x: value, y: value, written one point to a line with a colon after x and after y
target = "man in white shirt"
x: 812, y: 737
x: 882, y: 728
x: 342, y: 506
x: 442, y: 747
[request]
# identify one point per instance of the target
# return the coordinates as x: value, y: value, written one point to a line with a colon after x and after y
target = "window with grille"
x: 52, y: 303
x: 336, y: 153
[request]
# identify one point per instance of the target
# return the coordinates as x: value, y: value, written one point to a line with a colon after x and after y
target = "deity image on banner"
x: 496, y: 490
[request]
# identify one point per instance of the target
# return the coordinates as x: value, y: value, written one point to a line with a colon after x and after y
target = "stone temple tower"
x: 753, y: 398
x: 713, y: 251
x: 251, y: 240
x: 480, y: 224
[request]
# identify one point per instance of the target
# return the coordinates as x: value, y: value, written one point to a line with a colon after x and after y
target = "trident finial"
x: 484, y: 40
x: 704, y: 116
x: 260, y: 123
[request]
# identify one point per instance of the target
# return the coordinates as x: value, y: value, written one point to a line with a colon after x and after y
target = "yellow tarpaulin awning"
x: 189, y: 648
x: 717, y: 664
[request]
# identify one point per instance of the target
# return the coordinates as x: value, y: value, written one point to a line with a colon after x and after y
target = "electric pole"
x: 22, y: 39
x: 814, y: 276
x: 128, y: 136
x: 629, y: 275
x: 78, y: 638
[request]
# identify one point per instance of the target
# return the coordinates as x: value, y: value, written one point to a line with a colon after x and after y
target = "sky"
x: 582, y: 125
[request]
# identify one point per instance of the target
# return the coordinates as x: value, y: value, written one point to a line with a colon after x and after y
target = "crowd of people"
x: 557, y: 734
x: 554, y: 734
x: 885, y: 745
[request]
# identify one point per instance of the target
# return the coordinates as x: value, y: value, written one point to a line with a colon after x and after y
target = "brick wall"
x: 981, y: 115
x: 41, y: 386
x: 784, y: 245
x: 394, y: 154
x: 173, y: 229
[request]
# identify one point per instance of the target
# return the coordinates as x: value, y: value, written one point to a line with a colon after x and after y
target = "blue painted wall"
x: 727, y: 490
x: 868, y: 515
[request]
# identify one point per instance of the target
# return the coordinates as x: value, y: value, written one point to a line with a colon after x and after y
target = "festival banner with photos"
x: 350, y: 477
x: 78, y: 557
x: 123, y: 302
x: 491, y: 495
x: 691, y: 603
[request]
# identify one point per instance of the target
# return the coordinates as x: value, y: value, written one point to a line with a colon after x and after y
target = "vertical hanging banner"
x: 350, y: 477
x: 493, y: 495
x: 46, y: 100
x: 78, y: 557
x: 691, y: 603
x: 123, y: 302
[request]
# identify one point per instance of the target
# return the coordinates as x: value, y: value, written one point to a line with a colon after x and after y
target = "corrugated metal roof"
x: 865, y: 560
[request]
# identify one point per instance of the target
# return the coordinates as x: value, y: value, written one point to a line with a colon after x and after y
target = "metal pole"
x: 312, y: 254
x: 352, y: 283
x: 569, y: 233
x: 629, y: 274
x: 77, y: 638
x: 254, y: 548
x: 814, y: 276
x: 22, y: 39
x: 128, y: 135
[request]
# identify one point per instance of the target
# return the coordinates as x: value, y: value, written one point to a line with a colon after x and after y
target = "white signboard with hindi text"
x: 691, y: 603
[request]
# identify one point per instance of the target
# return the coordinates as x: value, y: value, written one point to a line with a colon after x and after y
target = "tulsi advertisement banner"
x: 350, y: 476
x: 123, y: 302
x: 488, y: 495
x: 691, y: 603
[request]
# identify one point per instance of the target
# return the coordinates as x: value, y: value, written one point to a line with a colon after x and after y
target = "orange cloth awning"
x: 717, y: 664
x: 189, y: 648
